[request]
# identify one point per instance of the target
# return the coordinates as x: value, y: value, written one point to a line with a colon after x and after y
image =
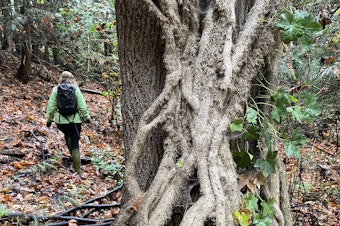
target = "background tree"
x: 72, y: 35
x: 188, y: 69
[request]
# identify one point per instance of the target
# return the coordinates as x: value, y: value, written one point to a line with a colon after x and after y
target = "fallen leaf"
x: 138, y: 202
x: 73, y: 223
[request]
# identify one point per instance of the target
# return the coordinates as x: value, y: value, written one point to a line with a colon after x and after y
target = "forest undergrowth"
x: 31, y: 185
x: 36, y: 176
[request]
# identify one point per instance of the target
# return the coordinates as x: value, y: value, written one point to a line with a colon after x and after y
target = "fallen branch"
x: 86, y: 204
x: 65, y: 216
x: 92, y: 91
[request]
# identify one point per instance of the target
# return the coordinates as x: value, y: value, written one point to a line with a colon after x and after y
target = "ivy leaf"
x: 251, y: 202
x: 241, y: 158
x: 296, y: 113
x: 276, y: 115
x: 236, y: 125
x: 251, y: 115
x: 292, y: 146
x: 251, y: 134
x: 267, y: 135
x: 267, y: 208
x: 282, y: 101
x: 312, y: 108
x: 267, y: 166
x: 242, y: 218
x: 298, y: 27
x: 261, y: 220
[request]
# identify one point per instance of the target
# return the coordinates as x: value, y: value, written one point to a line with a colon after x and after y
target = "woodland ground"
x: 313, y: 180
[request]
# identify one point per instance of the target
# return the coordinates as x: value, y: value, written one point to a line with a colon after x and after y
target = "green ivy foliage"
x: 298, y: 26
x: 286, y: 109
x: 252, y: 212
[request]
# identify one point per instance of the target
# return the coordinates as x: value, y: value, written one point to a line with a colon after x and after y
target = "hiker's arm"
x: 51, y: 105
x: 82, y: 107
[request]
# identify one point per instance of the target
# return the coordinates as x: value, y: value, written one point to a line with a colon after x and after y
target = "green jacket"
x: 52, y: 109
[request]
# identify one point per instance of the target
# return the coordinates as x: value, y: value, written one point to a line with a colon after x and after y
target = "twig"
x: 40, y: 142
x: 105, y: 195
x: 312, y: 145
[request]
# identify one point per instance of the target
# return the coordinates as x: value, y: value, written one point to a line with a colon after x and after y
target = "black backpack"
x: 66, y: 99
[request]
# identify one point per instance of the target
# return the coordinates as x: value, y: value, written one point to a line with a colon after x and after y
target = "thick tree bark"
x: 187, y: 69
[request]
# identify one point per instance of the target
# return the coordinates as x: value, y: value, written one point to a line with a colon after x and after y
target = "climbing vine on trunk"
x: 213, y: 53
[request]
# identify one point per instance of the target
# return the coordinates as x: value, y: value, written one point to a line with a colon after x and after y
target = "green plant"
x: 44, y: 166
x: 104, y: 161
x: 299, y: 26
x: 3, y: 211
x: 256, y: 126
x: 261, y: 215
x: 113, y: 95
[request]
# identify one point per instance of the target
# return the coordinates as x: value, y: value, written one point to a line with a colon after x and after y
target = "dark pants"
x: 71, y: 131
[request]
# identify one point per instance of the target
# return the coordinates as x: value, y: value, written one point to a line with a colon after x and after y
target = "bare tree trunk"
x: 143, y: 81
x: 187, y: 69
x: 24, y: 69
x: 26, y: 50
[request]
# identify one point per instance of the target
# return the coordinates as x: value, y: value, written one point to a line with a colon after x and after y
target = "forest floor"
x: 36, y: 187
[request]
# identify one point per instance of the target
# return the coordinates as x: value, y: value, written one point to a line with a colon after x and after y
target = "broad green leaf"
x: 236, y: 125
x: 267, y: 208
x: 306, y: 39
x: 312, y: 108
x: 271, y: 156
x: 242, y: 218
x: 251, y: 202
x: 296, y: 113
x: 267, y: 135
x: 241, y: 158
x: 261, y: 220
x: 251, y: 115
x: 298, y: 27
x: 276, y: 115
x: 265, y: 166
x: 308, y: 21
x: 251, y: 134
x: 282, y: 101
x: 298, y: 137
x: 292, y: 146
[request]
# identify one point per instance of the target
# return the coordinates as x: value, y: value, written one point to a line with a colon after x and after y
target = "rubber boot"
x: 68, y: 142
x: 76, y: 160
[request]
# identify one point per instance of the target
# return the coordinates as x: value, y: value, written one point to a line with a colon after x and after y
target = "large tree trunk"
x: 187, y: 69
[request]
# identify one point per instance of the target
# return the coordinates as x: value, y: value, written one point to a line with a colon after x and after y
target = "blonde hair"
x: 67, y: 77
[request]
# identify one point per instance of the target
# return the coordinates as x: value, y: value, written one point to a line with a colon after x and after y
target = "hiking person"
x: 67, y: 106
